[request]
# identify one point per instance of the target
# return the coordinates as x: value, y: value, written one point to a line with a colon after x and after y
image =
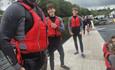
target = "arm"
x: 61, y: 27
x: 9, y: 24
x: 81, y: 24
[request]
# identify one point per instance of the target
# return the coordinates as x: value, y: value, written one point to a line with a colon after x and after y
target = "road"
x: 106, y: 31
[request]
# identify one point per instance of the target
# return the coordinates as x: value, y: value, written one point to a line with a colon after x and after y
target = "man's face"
x: 74, y: 12
x: 113, y: 41
x: 33, y: 1
x: 51, y: 11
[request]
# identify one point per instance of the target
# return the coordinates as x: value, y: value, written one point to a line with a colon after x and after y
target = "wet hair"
x: 31, y: 3
x: 113, y: 37
x: 50, y: 6
x: 75, y: 7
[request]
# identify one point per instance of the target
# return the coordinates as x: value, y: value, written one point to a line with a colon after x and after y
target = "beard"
x: 32, y: 3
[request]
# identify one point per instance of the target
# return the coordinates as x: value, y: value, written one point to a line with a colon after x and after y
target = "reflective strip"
x: 5, y: 63
x: 22, y: 46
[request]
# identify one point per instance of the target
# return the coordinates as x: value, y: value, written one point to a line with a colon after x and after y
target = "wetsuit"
x: 11, y: 20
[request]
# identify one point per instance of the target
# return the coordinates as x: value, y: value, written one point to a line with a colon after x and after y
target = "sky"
x: 90, y: 4
x: 4, y: 4
x: 94, y: 4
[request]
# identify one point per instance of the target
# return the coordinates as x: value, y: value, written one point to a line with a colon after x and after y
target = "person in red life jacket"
x: 106, y: 54
x: 75, y: 26
x: 109, y: 54
x: 25, y: 24
x: 55, y: 27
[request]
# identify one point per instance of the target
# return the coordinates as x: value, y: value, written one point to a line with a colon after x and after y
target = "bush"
x: 65, y: 34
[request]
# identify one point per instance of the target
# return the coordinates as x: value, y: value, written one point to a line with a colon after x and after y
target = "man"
x: 24, y: 26
x: 55, y: 27
x: 89, y: 26
x: 75, y: 26
x: 109, y: 54
x: 84, y: 24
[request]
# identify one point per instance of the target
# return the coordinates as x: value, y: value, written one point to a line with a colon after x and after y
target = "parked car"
x: 102, y: 21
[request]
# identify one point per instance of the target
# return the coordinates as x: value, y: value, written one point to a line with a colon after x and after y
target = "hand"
x: 80, y: 33
x: 22, y: 68
x: 71, y: 33
x: 53, y: 25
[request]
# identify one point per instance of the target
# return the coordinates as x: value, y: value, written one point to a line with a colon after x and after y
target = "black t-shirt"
x: 52, y: 18
x: 74, y: 17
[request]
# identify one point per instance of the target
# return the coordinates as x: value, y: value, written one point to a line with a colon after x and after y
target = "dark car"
x: 102, y: 21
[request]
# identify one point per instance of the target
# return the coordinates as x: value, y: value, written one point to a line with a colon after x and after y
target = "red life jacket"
x: 106, y: 55
x: 36, y: 39
x: 75, y: 22
x: 51, y: 31
x: 105, y: 48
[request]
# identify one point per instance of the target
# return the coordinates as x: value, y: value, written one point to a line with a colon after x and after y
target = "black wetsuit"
x: 84, y: 24
x: 55, y: 44
x: 76, y: 33
x: 11, y: 20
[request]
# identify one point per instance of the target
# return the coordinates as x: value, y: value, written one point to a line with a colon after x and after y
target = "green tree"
x: 65, y: 9
x: 1, y: 12
x: 101, y: 12
x: 84, y: 11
